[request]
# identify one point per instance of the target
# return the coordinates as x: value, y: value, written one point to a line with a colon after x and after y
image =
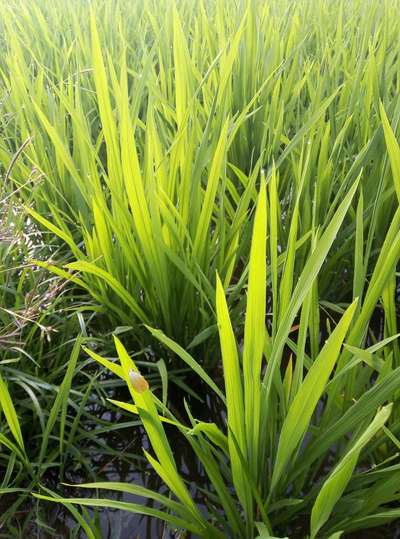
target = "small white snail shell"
x: 139, y: 383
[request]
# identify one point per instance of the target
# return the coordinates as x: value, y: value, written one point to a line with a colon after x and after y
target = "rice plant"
x: 150, y: 141
x: 293, y: 448
x: 217, y: 182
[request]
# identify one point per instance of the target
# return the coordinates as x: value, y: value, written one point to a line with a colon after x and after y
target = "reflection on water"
x: 128, y: 465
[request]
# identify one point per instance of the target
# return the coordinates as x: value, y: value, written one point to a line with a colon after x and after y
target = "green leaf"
x: 304, y: 403
x: 336, y: 483
x: 7, y: 406
x: 393, y: 149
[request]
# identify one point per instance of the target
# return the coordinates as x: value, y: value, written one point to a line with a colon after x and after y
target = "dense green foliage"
x: 219, y: 183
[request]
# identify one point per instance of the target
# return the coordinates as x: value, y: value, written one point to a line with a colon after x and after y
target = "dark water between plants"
x: 121, y: 468
x: 124, y: 467
x: 122, y: 525
x: 116, y: 524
